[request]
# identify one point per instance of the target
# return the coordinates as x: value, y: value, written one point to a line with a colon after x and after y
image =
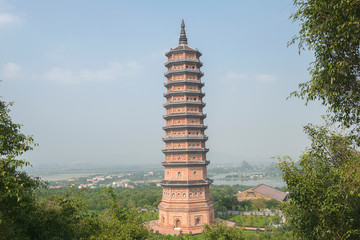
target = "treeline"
x: 148, y: 198
x: 96, y: 198
x: 224, y: 199
x: 67, y: 216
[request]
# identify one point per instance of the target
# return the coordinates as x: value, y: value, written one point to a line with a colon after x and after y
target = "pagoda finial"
x: 182, y: 39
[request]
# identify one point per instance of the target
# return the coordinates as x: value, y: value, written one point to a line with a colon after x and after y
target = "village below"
x: 230, y: 174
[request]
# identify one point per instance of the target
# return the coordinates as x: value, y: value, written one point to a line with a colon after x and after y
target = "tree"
x: 245, y: 205
x: 272, y: 204
x: 12, y: 145
x: 324, y: 187
x: 61, y: 217
x: 16, y: 187
x: 258, y: 204
x: 219, y: 231
x: 224, y: 198
x: 120, y: 223
x: 331, y: 30
x: 285, y: 232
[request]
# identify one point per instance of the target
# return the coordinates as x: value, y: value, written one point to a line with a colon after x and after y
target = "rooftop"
x: 268, y: 191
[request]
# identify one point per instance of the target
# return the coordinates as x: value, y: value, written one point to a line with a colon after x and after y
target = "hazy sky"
x: 87, y: 77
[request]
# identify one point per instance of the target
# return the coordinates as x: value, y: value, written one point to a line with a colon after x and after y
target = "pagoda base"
x: 187, y: 217
x: 157, y: 228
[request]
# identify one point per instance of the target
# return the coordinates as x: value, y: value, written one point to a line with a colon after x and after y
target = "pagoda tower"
x: 186, y: 204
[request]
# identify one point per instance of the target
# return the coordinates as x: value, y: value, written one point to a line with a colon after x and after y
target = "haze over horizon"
x: 86, y: 78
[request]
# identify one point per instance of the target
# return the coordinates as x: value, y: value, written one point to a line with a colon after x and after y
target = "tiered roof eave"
x: 183, y: 48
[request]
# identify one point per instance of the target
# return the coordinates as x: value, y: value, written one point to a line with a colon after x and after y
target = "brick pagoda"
x: 186, y: 204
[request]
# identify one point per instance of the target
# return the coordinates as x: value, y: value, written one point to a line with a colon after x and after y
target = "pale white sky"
x: 87, y: 77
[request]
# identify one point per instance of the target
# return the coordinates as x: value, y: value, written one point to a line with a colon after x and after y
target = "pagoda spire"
x: 183, y: 38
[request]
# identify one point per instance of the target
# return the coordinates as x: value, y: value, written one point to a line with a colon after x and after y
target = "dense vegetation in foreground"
x: 149, y: 198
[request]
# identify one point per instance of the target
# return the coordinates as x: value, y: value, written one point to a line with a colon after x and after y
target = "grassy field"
x: 250, y: 233
x: 248, y: 220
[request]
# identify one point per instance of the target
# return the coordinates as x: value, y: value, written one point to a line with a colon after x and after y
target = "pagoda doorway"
x: 178, y: 224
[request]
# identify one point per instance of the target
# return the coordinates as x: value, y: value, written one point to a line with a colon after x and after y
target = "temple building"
x: 186, y: 204
x: 261, y: 191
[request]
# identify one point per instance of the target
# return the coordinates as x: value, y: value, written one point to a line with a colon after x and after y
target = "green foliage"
x: 272, y: 204
x: 224, y: 197
x: 282, y: 233
x: 12, y: 144
x: 96, y: 199
x: 324, y: 187
x: 258, y: 204
x: 120, y: 223
x: 331, y: 29
x: 16, y: 187
x: 276, y: 218
x: 62, y: 217
x: 219, y: 231
x: 245, y: 205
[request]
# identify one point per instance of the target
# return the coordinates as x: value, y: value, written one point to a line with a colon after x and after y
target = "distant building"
x: 261, y: 191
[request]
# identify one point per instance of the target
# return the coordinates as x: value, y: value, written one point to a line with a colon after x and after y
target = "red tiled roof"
x: 269, y: 191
